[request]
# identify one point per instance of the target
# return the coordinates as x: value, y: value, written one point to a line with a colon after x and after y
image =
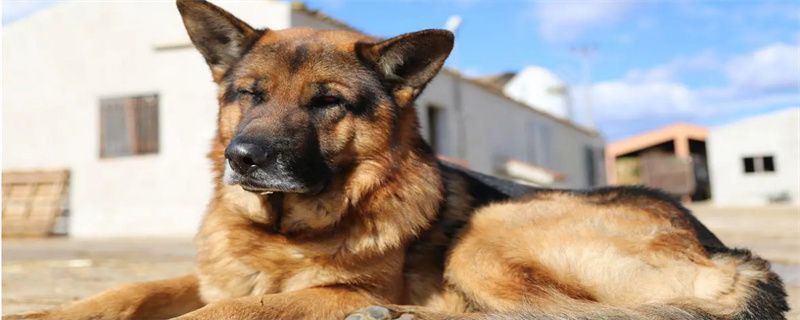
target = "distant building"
x: 544, y: 91
x: 757, y: 160
x: 673, y: 158
x: 538, y: 87
x: 128, y: 109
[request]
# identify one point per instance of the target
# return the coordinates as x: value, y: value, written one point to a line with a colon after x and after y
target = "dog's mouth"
x: 267, y: 190
x: 261, y: 191
x: 269, y: 184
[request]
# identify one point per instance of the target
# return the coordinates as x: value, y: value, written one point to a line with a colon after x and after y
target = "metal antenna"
x: 586, y: 53
x: 453, y: 24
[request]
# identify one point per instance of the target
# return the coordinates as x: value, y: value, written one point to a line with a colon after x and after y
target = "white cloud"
x: 625, y: 100
x: 566, y: 21
x: 766, y: 76
x: 472, y: 72
x: 706, y: 60
x: 653, y: 92
x: 774, y: 67
x: 16, y: 9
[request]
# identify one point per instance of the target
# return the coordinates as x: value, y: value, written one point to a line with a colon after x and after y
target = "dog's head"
x: 299, y: 105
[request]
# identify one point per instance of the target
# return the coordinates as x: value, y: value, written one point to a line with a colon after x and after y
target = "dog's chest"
x: 228, y: 278
x: 229, y: 270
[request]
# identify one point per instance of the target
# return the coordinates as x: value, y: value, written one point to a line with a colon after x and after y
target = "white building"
x: 542, y: 89
x: 756, y: 160
x: 114, y: 93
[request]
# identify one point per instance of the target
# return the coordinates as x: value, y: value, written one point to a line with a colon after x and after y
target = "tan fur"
x: 561, y: 255
x: 548, y: 250
x: 392, y: 227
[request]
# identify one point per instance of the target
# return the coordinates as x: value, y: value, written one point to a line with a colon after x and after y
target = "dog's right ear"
x: 217, y: 34
x: 409, y: 61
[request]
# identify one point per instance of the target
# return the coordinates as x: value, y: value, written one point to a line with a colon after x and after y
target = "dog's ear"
x: 407, y: 62
x: 217, y: 34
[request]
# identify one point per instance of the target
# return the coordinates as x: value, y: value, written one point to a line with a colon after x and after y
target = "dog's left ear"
x: 407, y: 62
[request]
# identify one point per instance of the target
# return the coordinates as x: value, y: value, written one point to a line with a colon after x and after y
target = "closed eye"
x: 326, y: 101
x: 250, y: 96
x: 246, y: 92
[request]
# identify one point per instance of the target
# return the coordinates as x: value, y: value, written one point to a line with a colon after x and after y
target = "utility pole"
x: 453, y: 24
x: 586, y: 54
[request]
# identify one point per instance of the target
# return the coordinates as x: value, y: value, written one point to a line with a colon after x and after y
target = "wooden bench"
x: 33, y: 201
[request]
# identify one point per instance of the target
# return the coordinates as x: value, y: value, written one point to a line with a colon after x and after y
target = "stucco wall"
x: 496, y: 129
x: 55, y: 71
x: 59, y: 63
x: 776, y: 134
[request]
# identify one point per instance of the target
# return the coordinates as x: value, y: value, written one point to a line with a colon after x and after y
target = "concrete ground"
x: 42, y: 273
x: 772, y: 232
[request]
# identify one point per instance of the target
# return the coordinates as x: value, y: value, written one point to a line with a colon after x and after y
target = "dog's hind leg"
x: 146, y: 300
x: 573, y: 256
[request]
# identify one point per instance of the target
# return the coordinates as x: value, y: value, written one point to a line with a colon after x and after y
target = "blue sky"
x: 654, y: 62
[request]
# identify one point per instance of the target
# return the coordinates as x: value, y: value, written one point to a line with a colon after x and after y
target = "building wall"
x: 776, y: 134
x: 494, y: 129
x: 55, y: 72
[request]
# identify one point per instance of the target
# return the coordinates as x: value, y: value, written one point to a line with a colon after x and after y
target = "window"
x: 594, y: 161
x: 769, y: 164
x: 749, y: 165
x: 128, y: 126
x: 759, y: 164
x: 539, y: 149
x: 531, y: 136
x: 545, y: 155
x: 589, y: 158
x: 435, y: 126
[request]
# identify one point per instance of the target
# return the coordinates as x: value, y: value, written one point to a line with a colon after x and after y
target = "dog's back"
x: 485, y: 189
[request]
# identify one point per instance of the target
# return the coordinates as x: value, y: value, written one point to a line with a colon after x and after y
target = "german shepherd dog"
x: 328, y: 204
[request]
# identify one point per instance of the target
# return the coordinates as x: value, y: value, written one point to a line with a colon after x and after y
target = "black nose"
x: 245, y: 157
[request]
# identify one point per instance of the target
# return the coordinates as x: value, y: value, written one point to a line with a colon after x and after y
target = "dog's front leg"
x: 313, y: 303
x: 146, y: 300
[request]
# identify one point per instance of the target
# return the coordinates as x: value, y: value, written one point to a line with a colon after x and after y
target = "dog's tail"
x: 755, y: 293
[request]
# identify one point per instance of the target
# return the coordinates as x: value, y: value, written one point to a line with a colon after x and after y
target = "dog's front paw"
x: 379, y: 313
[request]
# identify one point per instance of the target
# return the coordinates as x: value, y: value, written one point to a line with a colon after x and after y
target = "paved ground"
x: 38, y: 274
x: 772, y: 232
x: 42, y: 273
